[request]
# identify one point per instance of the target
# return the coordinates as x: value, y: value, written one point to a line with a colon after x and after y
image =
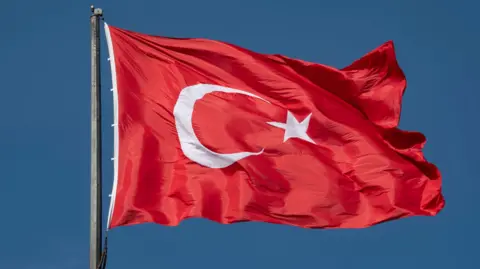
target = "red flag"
x: 211, y: 130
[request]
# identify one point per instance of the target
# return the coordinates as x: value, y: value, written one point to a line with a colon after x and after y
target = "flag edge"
x: 115, y: 123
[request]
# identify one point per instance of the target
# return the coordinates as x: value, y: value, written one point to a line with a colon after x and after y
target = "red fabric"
x: 362, y: 170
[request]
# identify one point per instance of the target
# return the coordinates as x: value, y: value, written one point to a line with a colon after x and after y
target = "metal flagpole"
x: 96, y: 144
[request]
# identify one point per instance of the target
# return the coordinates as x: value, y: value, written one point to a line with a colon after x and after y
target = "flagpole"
x: 96, y: 143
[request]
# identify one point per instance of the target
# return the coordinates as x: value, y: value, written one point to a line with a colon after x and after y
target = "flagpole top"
x: 96, y: 11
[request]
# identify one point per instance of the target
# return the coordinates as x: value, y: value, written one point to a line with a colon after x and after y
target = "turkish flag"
x: 210, y: 130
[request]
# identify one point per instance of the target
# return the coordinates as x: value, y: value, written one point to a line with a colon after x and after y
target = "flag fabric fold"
x: 207, y: 129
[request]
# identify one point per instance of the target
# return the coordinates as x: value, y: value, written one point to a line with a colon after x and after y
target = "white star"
x: 293, y: 128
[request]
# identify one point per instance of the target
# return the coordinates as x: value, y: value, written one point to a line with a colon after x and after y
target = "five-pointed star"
x: 293, y: 128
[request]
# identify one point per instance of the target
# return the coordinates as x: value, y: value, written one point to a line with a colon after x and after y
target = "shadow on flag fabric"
x: 207, y: 129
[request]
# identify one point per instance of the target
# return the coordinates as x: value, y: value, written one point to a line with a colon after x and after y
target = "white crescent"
x: 191, y: 146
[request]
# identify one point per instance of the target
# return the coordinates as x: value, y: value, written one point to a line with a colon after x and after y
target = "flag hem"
x: 115, y: 123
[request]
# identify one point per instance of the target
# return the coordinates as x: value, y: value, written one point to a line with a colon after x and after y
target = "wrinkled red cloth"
x: 211, y: 130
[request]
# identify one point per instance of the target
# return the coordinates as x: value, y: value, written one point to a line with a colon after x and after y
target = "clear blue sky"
x: 45, y: 131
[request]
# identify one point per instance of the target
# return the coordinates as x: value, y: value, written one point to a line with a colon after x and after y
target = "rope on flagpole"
x: 103, y: 258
